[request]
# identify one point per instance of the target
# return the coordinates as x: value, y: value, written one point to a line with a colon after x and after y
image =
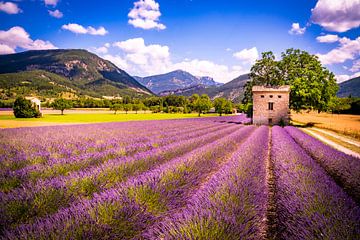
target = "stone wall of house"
x: 279, y: 97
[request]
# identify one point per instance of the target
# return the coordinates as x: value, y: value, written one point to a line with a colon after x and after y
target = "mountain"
x: 174, y: 80
x: 232, y: 90
x: 349, y: 87
x: 74, y: 70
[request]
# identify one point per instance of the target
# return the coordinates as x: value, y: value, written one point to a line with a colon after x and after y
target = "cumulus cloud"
x: 329, y: 38
x: 9, y: 8
x: 51, y: 2
x: 345, y: 77
x: 145, y: 14
x: 247, y: 55
x: 17, y: 37
x: 219, y: 72
x: 337, y: 15
x: 347, y: 50
x: 5, y: 49
x: 296, y: 29
x: 150, y: 59
x: 56, y: 13
x: 356, y: 66
x: 79, y: 29
x: 137, y: 58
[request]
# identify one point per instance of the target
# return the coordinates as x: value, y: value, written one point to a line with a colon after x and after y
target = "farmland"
x: 53, y: 117
x: 341, y: 123
x: 196, y: 178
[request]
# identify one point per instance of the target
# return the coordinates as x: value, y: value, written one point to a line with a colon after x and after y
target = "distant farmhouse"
x: 270, y: 105
x: 35, y: 102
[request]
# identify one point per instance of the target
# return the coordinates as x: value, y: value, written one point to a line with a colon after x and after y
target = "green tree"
x: 228, y: 107
x: 116, y: 107
x: 312, y: 86
x: 128, y: 107
x: 220, y: 105
x: 136, y: 107
x: 61, y: 104
x: 202, y: 104
x: 23, y: 108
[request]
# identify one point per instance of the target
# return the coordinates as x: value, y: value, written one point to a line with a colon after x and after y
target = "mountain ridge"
x: 87, y: 71
x: 174, y: 80
x: 350, y: 87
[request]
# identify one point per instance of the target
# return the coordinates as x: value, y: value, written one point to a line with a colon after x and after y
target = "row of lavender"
x: 32, y: 199
x: 126, y: 209
x: 212, y: 186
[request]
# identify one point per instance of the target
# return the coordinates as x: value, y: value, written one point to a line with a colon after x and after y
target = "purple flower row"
x: 231, y: 205
x: 97, y: 179
x: 52, y: 143
x: 131, y: 206
x: 345, y: 169
x: 310, y: 205
x: 64, y: 166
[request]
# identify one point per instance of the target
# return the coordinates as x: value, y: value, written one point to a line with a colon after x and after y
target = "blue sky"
x: 221, y: 39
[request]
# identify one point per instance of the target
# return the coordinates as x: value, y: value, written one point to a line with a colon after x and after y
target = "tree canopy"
x: 201, y: 103
x: 312, y: 85
x: 23, y: 108
x: 61, y: 104
x: 222, y: 105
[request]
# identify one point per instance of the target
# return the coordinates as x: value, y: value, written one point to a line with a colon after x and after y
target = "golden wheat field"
x: 341, y: 123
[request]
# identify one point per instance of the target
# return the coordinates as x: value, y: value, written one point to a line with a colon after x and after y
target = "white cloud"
x: 344, y: 77
x: 5, y: 49
x: 51, y: 2
x: 9, y: 8
x: 329, y: 38
x: 247, y: 55
x: 79, y: 29
x: 356, y: 66
x: 149, y: 59
x: 145, y: 14
x: 296, y: 29
x: 18, y: 37
x: 100, y: 50
x: 56, y: 13
x: 219, y: 72
x: 337, y: 15
x: 347, y: 50
x: 140, y: 59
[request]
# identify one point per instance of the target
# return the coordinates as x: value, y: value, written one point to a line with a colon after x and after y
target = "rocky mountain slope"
x: 349, y: 87
x: 175, y: 80
x: 83, y: 72
x: 232, y: 90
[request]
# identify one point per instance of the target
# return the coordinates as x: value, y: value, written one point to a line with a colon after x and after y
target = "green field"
x: 11, y: 121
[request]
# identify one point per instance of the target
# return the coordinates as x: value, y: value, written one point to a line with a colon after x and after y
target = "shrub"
x: 23, y: 108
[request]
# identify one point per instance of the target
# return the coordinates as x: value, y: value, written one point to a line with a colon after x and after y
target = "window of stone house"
x: 262, y: 96
x: 270, y: 106
x: 271, y: 96
x: 279, y: 96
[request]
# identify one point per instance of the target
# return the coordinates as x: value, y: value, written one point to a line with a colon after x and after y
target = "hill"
x: 175, y: 80
x: 232, y: 90
x: 79, y: 70
x: 349, y: 87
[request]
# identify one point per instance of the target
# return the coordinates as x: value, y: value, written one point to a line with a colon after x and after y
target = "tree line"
x: 200, y: 104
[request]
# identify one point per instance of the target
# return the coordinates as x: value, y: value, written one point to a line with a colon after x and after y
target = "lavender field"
x: 206, y: 178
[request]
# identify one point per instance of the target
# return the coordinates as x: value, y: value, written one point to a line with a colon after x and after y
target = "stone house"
x: 36, y: 102
x: 270, y: 104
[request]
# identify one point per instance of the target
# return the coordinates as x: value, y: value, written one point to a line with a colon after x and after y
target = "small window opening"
x: 271, y: 96
x: 271, y: 106
x: 262, y: 96
x: 279, y: 96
